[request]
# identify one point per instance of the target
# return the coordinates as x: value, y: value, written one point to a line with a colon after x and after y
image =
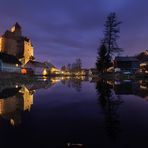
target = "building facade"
x: 13, y: 43
x: 127, y: 65
x: 9, y: 63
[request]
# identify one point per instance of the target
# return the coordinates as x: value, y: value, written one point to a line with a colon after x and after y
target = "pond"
x: 75, y: 112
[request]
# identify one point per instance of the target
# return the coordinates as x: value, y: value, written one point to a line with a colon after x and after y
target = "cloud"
x: 62, y: 30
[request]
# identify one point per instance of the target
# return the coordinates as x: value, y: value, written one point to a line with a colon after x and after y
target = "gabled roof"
x: 39, y: 64
x: 17, y: 25
x: 143, y: 56
x: 133, y: 59
x: 6, y: 58
x: 35, y: 64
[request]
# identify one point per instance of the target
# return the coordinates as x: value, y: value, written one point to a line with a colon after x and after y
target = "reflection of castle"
x: 13, y: 43
x: 16, y: 101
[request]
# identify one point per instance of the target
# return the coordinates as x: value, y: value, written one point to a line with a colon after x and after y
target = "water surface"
x: 59, y: 111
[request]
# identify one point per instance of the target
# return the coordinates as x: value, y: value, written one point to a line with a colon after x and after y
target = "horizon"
x: 62, y: 31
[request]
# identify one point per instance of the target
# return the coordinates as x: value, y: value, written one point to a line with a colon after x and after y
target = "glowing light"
x: 12, y: 122
x: 45, y: 72
x: 23, y: 71
x: 143, y: 64
x: 143, y: 87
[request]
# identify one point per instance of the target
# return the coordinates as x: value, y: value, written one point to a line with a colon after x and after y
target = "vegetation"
x: 74, y: 67
x: 109, y: 44
x: 103, y: 59
x: 111, y: 34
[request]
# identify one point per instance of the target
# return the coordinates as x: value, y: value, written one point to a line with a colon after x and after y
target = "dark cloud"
x: 62, y: 30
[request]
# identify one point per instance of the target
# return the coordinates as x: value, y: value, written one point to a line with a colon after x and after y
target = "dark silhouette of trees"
x: 110, y: 105
x: 111, y: 34
x: 103, y: 59
x: 108, y: 44
x: 75, y: 67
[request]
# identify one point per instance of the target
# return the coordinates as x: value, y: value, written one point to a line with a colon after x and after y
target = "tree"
x: 63, y: 68
x: 111, y: 34
x: 103, y: 59
x: 78, y: 65
x: 110, y: 105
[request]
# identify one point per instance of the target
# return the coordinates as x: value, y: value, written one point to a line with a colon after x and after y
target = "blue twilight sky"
x: 63, y: 30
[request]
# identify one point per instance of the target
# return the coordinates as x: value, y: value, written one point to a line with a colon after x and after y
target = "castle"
x: 13, y: 43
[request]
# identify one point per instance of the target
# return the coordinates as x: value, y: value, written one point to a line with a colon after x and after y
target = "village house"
x: 143, y: 58
x: 38, y: 67
x: 126, y: 65
x: 9, y: 63
x: 13, y: 43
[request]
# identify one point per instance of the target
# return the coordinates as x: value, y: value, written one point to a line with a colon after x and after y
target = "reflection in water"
x: 110, y: 104
x: 74, y: 82
x: 128, y: 87
x: 15, y: 100
x: 72, y: 119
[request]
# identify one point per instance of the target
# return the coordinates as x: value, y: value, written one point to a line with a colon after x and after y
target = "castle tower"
x: 12, y: 42
x: 17, y: 30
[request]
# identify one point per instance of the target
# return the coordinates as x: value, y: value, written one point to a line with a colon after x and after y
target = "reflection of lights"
x: 44, y: 78
x: 143, y: 64
x: 16, y: 86
x: 146, y: 98
x: 117, y: 83
x: 143, y: 87
x: 110, y: 82
x: 12, y: 122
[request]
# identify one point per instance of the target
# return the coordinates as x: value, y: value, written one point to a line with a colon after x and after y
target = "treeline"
x: 73, y: 67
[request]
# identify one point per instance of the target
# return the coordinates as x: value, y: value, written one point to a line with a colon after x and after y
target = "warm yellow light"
x: 143, y: 64
x: 13, y: 29
x: 12, y: 122
x: 54, y: 70
x: 16, y: 65
x: 143, y: 87
x: 45, y: 72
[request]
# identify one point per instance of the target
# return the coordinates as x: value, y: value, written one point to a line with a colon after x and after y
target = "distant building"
x: 144, y: 67
x: 9, y: 63
x: 126, y: 65
x: 143, y: 58
x: 93, y: 72
x: 85, y: 72
x: 13, y: 43
x: 37, y: 67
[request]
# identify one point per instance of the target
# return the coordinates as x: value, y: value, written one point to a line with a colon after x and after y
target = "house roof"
x: 17, y: 25
x: 6, y: 58
x: 126, y: 59
x: 38, y: 64
x: 143, y: 56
